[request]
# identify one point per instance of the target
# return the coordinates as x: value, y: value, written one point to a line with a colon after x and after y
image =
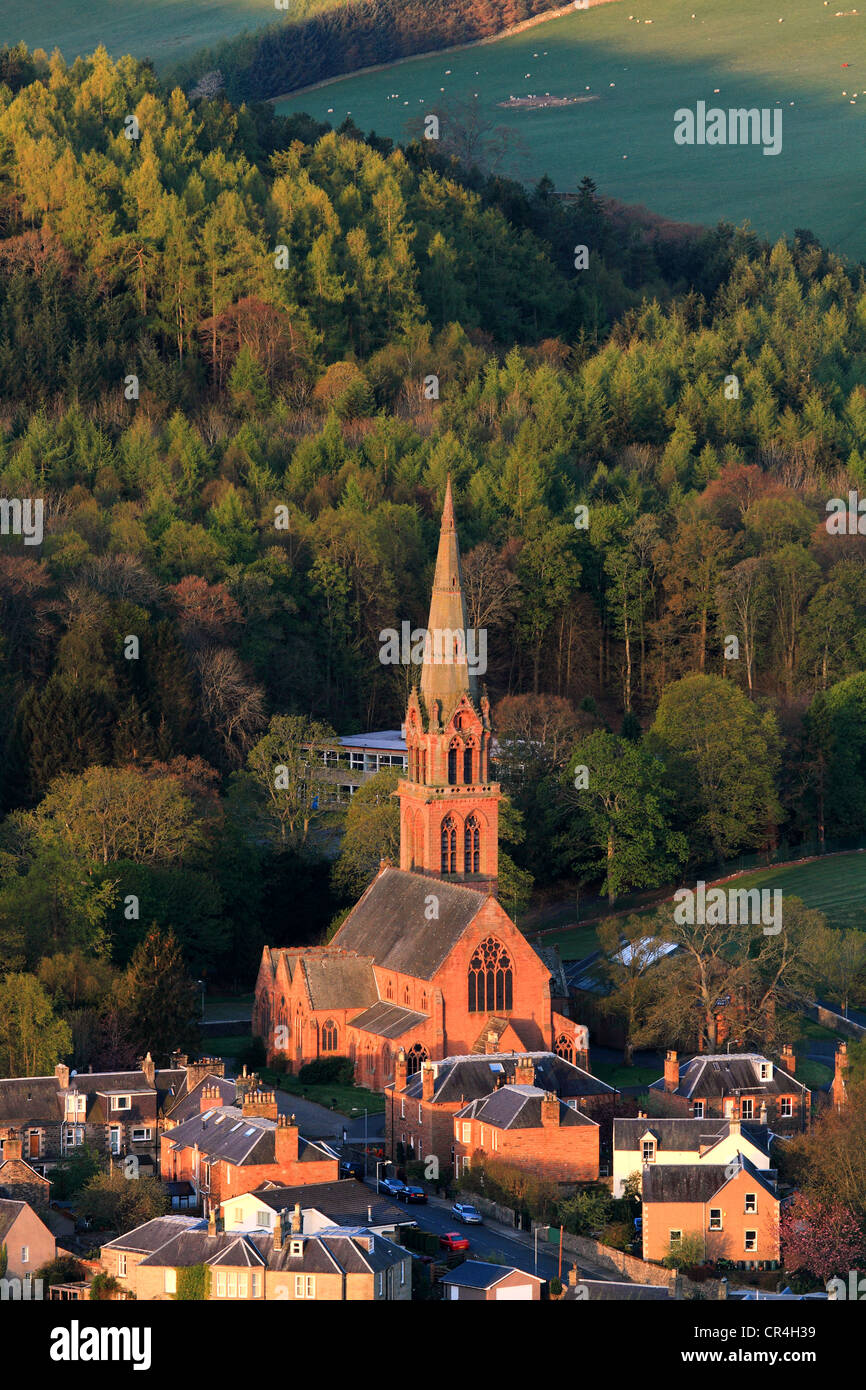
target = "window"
x: 296, y: 1247
x: 467, y: 1132
x: 406, y: 995
x: 452, y: 765
x: 729, y: 1109
x: 402, y: 1107
x: 72, y: 1136
x: 114, y: 1138
x: 75, y: 1105
x: 263, y: 1218
x: 747, y: 1108
x: 171, y: 1281
x: 423, y: 1001
x: 494, y: 1140
x: 141, y: 1136
x: 121, y: 1266
x: 121, y: 1102
x: 25, y: 1254
x: 676, y: 1238
x: 786, y: 1108
x: 381, y: 1282
x: 257, y: 1283
x: 766, y: 1071
x: 220, y: 1284
x: 698, y: 1110
x: 564, y: 1048
x: 419, y: 1112
x: 715, y: 1218
x: 449, y: 846
x: 389, y: 990
x: 471, y: 839
x: 467, y: 765
x: 751, y: 1240
x: 243, y: 1286
x: 415, y: 1058
x: 329, y: 1036
x: 239, y: 1216
x: 491, y: 982
x: 402, y: 1272
x: 305, y: 1286
x: 751, y: 1207
x: 648, y: 1151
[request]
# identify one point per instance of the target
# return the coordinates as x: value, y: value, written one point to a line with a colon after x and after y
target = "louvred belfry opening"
x: 449, y: 808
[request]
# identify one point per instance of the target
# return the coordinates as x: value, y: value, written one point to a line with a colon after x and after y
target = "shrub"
x: 688, y: 1254
x: 328, y: 1071
x: 555, y: 1286
x: 618, y: 1235
x: 193, y: 1284
x: 104, y: 1287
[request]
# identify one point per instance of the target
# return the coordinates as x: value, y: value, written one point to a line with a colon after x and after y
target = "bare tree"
x: 233, y: 707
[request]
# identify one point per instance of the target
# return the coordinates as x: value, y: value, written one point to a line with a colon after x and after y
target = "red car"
x: 452, y: 1240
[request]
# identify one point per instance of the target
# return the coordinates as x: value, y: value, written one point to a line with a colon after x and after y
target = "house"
x: 28, y: 1241
x: 428, y: 961
x: 228, y: 1150
x: 119, y: 1114
x: 333, y: 1264
x: 733, y: 1209
x: 738, y: 1085
x: 580, y: 1290
x: 320, y: 1205
x: 19, y: 1179
x: 641, y: 1141
x: 475, y: 1282
x: 536, y: 1109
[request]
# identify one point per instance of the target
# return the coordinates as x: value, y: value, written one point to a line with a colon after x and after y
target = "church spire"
x: 445, y: 674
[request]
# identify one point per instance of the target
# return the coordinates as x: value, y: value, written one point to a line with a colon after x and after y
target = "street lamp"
x: 354, y: 1108
x: 201, y: 985
x: 546, y: 1230
x: 380, y: 1163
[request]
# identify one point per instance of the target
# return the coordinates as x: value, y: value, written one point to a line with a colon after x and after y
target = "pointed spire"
x: 448, y: 678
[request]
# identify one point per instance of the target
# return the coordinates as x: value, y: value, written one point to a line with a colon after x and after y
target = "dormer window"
x: 75, y: 1104
x: 121, y: 1103
x: 766, y: 1071
x: 648, y: 1150
x: 296, y: 1247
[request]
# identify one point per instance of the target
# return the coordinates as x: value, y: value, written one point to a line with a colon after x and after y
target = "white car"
x: 464, y: 1212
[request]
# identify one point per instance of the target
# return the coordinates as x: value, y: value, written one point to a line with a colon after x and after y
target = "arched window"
x: 449, y: 846
x: 299, y: 1025
x: 389, y: 990
x: 452, y: 764
x: 371, y: 1060
x: 329, y: 1036
x: 564, y: 1048
x: 471, y: 838
x: 406, y: 995
x: 467, y: 765
x: 491, y: 981
x: 415, y: 1058
x: 423, y: 1001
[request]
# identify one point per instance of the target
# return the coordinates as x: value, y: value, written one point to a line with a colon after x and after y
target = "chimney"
x: 61, y: 1071
x: 212, y: 1222
x: 286, y: 1140
x: 12, y: 1144
x: 179, y: 1060
x: 297, y: 1220
x: 428, y: 1080
x: 734, y: 1125
x: 762, y: 1113
x: 259, y: 1105
x: 207, y: 1066
x: 149, y: 1069
x: 672, y: 1072
x: 789, y: 1061
x: 550, y: 1111
x: 209, y: 1098
x: 400, y: 1071
x: 573, y: 1277
x: 280, y: 1228
x: 524, y: 1072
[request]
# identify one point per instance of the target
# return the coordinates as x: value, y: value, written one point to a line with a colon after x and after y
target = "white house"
x: 641, y: 1141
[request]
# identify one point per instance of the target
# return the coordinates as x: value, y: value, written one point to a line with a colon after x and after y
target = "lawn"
x: 349, y: 1100
x: 615, y: 1074
x: 168, y: 31
x: 735, y: 54
x: 219, y: 1007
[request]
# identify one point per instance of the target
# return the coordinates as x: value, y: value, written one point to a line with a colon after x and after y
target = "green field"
x: 167, y: 31
x: 641, y: 73
x: 835, y: 886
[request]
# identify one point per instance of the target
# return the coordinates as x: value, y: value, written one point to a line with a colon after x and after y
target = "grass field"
x: 641, y: 73
x: 167, y: 31
x: 835, y: 886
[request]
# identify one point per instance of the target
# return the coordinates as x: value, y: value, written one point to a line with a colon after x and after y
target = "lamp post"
x: 546, y: 1230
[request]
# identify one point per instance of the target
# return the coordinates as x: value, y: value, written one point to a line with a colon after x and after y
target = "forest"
x: 214, y: 342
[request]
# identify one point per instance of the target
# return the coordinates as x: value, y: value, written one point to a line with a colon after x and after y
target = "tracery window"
x: 449, y: 846
x: 491, y: 978
x: 471, y: 841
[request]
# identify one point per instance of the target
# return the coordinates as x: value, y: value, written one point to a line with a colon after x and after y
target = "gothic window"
x: 406, y: 995
x: 329, y: 1036
x: 415, y: 1058
x: 467, y: 765
x: 423, y: 1002
x: 471, y: 834
x: 452, y: 764
x: 449, y: 846
x: 491, y: 980
x: 299, y: 1024
x: 564, y: 1048
x: 389, y: 990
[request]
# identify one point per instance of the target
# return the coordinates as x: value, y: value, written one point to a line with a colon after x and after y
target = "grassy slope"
x: 739, y: 47
x: 167, y: 31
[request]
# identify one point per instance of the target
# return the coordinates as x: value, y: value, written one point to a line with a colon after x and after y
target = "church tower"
x: 449, y: 808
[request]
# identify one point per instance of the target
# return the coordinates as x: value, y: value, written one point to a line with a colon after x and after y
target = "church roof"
x: 338, y: 981
x: 388, y: 1020
x: 391, y: 923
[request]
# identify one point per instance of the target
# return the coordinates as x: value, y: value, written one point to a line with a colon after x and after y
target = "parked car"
x: 392, y: 1186
x: 452, y: 1240
x: 465, y: 1212
x: 410, y: 1193
x: 352, y: 1168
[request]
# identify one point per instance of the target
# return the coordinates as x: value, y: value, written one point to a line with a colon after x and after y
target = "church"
x: 428, y: 963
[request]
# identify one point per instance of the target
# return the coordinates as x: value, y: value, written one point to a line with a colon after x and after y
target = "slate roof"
x: 389, y: 923
x: 34, y: 1099
x: 682, y: 1136
x: 518, y: 1107
x: 461, y: 1079
x: 722, y: 1074
x: 473, y: 1274
x: 9, y: 1211
x: 612, y: 1291
x: 388, y: 1020
x: 336, y: 980
x: 694, y: 1182
x: 344, y: 1202
x: 155, y: 1234
x: 188, y: 1105
x: 332, y: 1250
x: 225, y: 1133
